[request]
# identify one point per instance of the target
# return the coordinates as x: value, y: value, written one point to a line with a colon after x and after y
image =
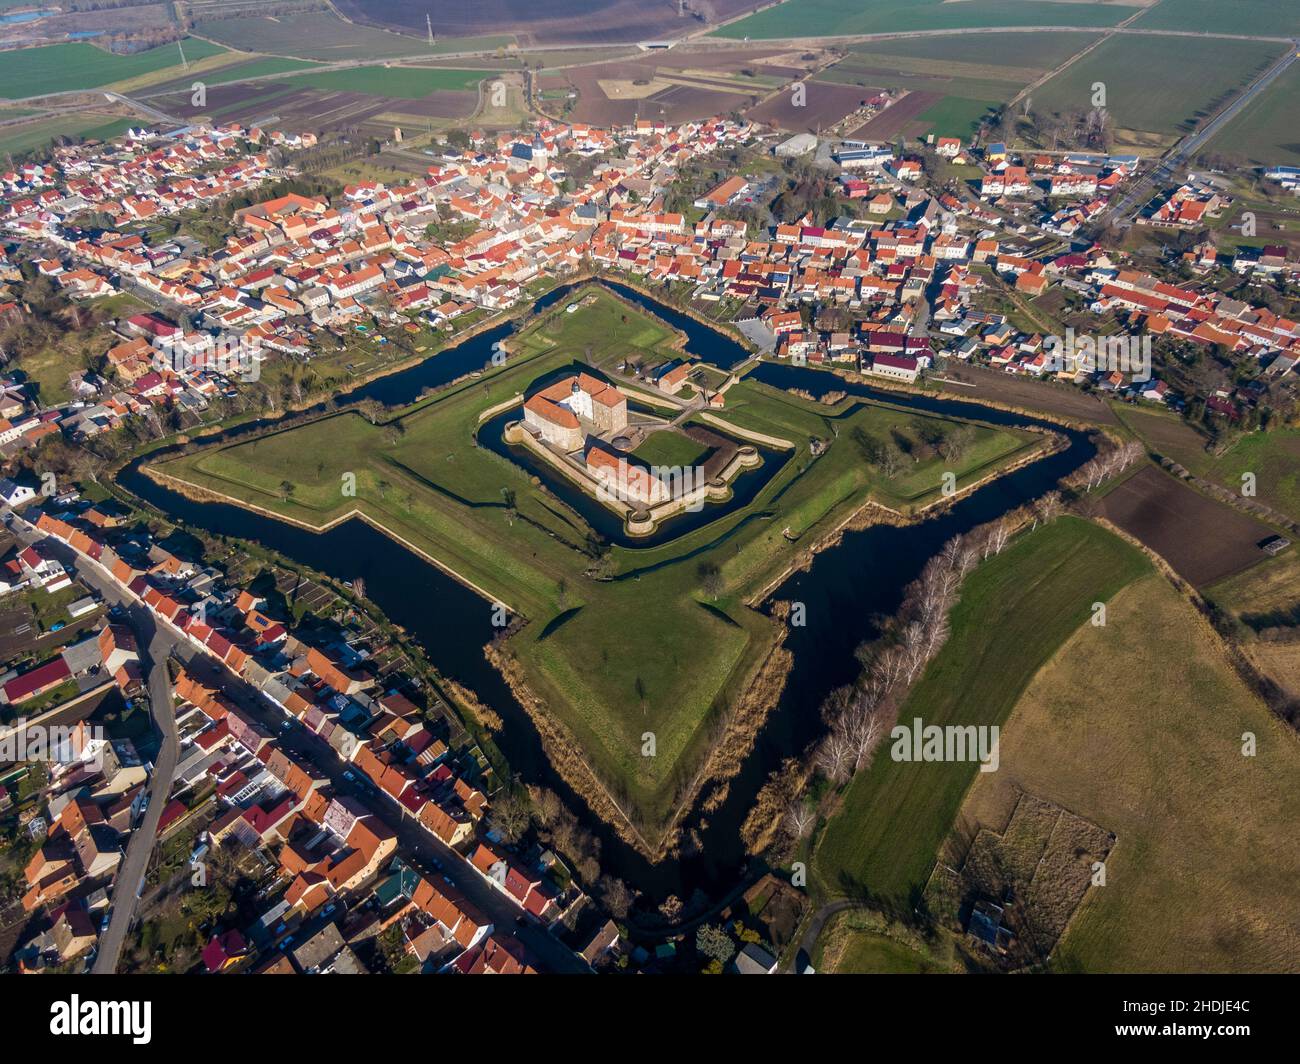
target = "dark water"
x: 846, y: 586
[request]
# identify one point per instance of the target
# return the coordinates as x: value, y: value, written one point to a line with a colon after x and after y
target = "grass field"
x: 38, y: 134
x: 408, y: 83
x: 646, y: 649
x: 826, y: 18
x: 954, y: 116
x: 65, y: 67
x: 1264, y: 596
x: 1015, y: 612
x: 1138, y: 727
x: 1273, y: 457
x: 1265, y: 132
x: 1167, y: 88
x: 49, y: 368
x: 1274, y: 18
x: 318, y: 35
x: 864, y: 943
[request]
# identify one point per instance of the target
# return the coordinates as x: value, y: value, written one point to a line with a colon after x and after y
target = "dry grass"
x: 1138, y: 727
x: 1278, y: 661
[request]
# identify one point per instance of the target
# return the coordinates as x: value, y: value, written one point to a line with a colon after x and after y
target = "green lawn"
x: 644, y: 649
x: 826, y: 18
x: 1015, y: 611
x: 603, y: 332
x: 670, y: 448
x: 868, y: 953
x: 64, y: 67
x: 954, y: 116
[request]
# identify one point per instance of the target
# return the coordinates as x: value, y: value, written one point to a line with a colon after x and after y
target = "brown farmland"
x: 898, y: 117
x: 548, y: 21
x: 700, y: 97
x: 1202, y: 539
x: 824, y: 106
x: 275, y: 103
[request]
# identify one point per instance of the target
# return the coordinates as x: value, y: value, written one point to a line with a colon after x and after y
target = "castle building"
x: 625, y: 480
x: 573, y: 408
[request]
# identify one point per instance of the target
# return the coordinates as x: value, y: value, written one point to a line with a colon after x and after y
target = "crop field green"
x: 826, y: 18
x: 21, y: 138
x: 1266, y: 132
x: 406, y: 83
x: 317, y: 35
x: 1137, y: 725
x: 616, y: 656
x: 1016, y: 610
x: 1166, y: 89
x: 66, y: 67
x: 1274, y: 18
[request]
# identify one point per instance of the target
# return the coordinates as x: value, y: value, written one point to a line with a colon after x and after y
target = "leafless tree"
x: 888, y: 667
x: 997, y: 538
x: 914, y: 650
x: 864, y: 726
x: 511, y: 814
x: 1048, y: 508
x: 616, y: 895
x: 800, y: 818
x: 835, y: 756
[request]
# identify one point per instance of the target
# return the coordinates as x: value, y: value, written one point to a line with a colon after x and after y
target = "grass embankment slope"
x: 1138, y: 727
x: 1016, y: 610
x: 645, y: 649
x: 860, y: 942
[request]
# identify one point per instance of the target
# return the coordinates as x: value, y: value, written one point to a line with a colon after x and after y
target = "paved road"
x: 1133, y: 201
x: 155, y: 647
x: 413, y: 840
x: 803, y: 955
x: 130, y: 874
